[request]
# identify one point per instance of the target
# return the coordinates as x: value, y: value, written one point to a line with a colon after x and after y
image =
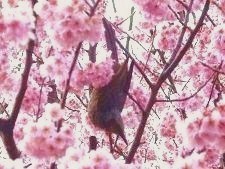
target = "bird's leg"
x: 92, y: 143
x: 117, y: 137
x: 110, y: 142
x: 129, y: 77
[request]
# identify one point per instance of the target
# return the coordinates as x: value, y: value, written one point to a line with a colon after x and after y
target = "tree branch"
x: 63, y: 102
x: 164, y: 75
x: 7, y: 126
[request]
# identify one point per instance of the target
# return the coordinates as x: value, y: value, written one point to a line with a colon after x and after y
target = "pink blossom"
x: 44, y: 142
x: 207, y: 132
x: 53, y: 111
x: 168, y: 128
x: 31, y: 100
x: 17, y: 23
x: 167, y: 39
x: 221, y: 126
x: 140, y: 96
x: 96, y: 75
x: 151, y: 155
x: 156, y: 10
x: 17, y: 31
x: 68, y: 24
x: 218, y: 41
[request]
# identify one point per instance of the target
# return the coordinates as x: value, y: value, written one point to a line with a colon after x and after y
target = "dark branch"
x: 63, y: 102
x: 175, y: 59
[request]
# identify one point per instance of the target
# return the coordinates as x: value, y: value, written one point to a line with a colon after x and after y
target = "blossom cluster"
x: 140, y: 97
x: 156, y: 10
x: 16, y: 24
x: 100, y: 159
x: 208, y: 159
x: 67, y: 23
x: 168, y: 127
x: 43, y: 139
x: 163, y: 10
x: 167, y: 39
x: 208, y: 131
x: 96, y: 75
x: 218, y: 39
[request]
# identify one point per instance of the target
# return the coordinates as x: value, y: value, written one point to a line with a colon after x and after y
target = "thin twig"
x: 63, y: 101
x: 131, y: 15
x: 214, y: 69
x: 178, y: 18
x: 39, y: 101
x: 3, y: 107
x: 214, y: 84
x: 81, y: 101
x: 189, y: 97
x: 136, y: 102
x: 132, y: 38
x: 127, y: 53
x: 93, y: 9
x: 130, y: 28
x: 170, y: 78
x: 114, y: 6
x: 208, y: 17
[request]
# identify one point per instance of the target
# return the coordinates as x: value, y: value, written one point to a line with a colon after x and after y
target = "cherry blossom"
x: 53, y: 111
x: 56, y: 51
x: 17, y: 24
x: 96, y: 75
x: 71, y: 25
x: 168, y: 127
x: 41, y: 139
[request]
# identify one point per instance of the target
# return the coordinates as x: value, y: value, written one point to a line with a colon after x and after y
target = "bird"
x: 106, y: 103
